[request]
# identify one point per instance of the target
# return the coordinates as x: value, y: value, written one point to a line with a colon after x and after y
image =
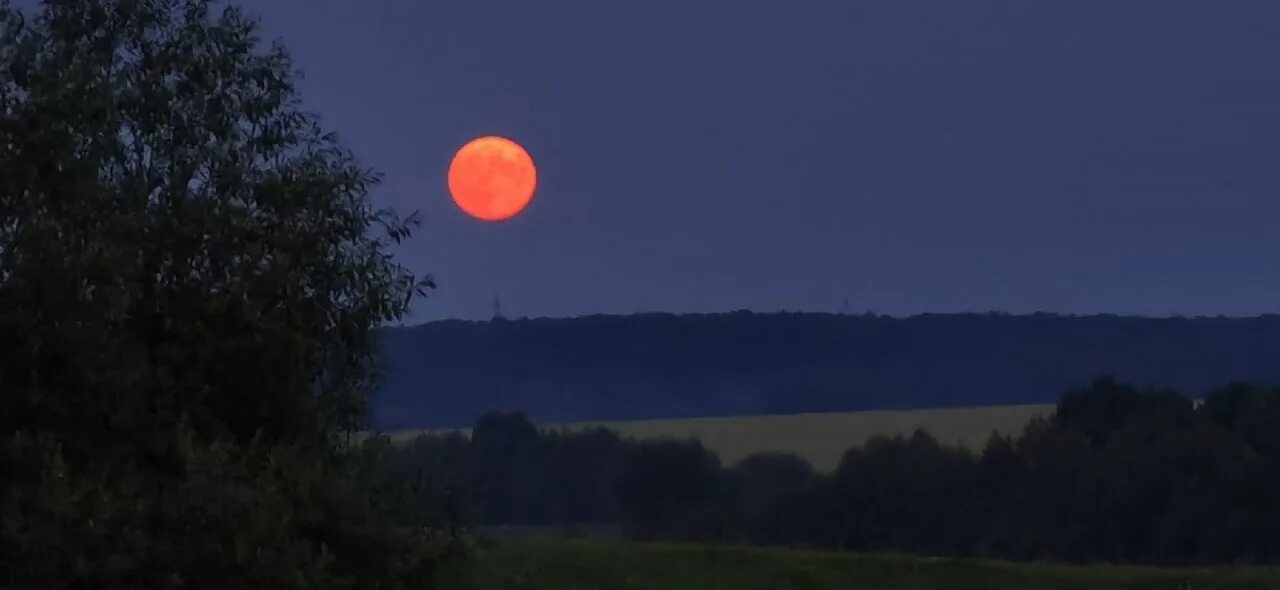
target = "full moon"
x: 492, y: 178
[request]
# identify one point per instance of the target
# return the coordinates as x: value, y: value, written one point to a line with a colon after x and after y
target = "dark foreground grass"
x: 555, y: 564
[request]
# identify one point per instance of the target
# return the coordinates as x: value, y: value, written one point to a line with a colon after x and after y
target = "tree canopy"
x: 1117, y: 474
x: 177, y: 236
x: 192, y: 274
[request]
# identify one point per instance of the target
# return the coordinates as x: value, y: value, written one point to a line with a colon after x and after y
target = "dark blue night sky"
x: 908, y: 156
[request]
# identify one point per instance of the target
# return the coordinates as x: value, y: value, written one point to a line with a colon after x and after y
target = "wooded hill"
x: 449, y: 373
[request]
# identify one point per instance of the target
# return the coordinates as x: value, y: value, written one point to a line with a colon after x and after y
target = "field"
x: 538, y: 564
x: 820, y: 438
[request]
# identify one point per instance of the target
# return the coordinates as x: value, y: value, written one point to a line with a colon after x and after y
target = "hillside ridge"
x: 657, y: 365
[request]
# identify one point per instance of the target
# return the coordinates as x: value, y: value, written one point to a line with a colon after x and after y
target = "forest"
x: 1117, y: 474
x: 442, y: 374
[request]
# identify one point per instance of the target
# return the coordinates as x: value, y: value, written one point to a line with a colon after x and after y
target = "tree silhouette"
x: 1115, y: 474
x: 191, y: 275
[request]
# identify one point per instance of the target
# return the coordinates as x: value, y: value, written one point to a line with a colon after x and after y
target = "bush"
x: 234, y: 516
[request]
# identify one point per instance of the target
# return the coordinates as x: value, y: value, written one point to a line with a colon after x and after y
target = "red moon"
x: 492, y: 178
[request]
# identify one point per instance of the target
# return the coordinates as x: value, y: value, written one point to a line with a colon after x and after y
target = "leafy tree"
x: 1005, y: 497
x: 1107, y: 405
x: 762, y: 480
x: 1251, y: 414
x: 812, y: 517
x: 1250, y: 411
x: 584, y: 469
x: 674, y: 489
x: 191, y: 278
x: 440, y: 471
x: 511, y: 469
x: 911, y: 494
x: 179, y: 239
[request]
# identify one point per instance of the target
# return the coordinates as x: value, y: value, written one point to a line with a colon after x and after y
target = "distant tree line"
x: 440, y: 374
x: 1116, y: 474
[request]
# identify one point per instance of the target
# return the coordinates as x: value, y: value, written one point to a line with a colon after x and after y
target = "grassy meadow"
x: 820, y: 438
x: 513, y: 563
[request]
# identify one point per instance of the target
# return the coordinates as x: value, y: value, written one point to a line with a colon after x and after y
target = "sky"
x: 897, y: 157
